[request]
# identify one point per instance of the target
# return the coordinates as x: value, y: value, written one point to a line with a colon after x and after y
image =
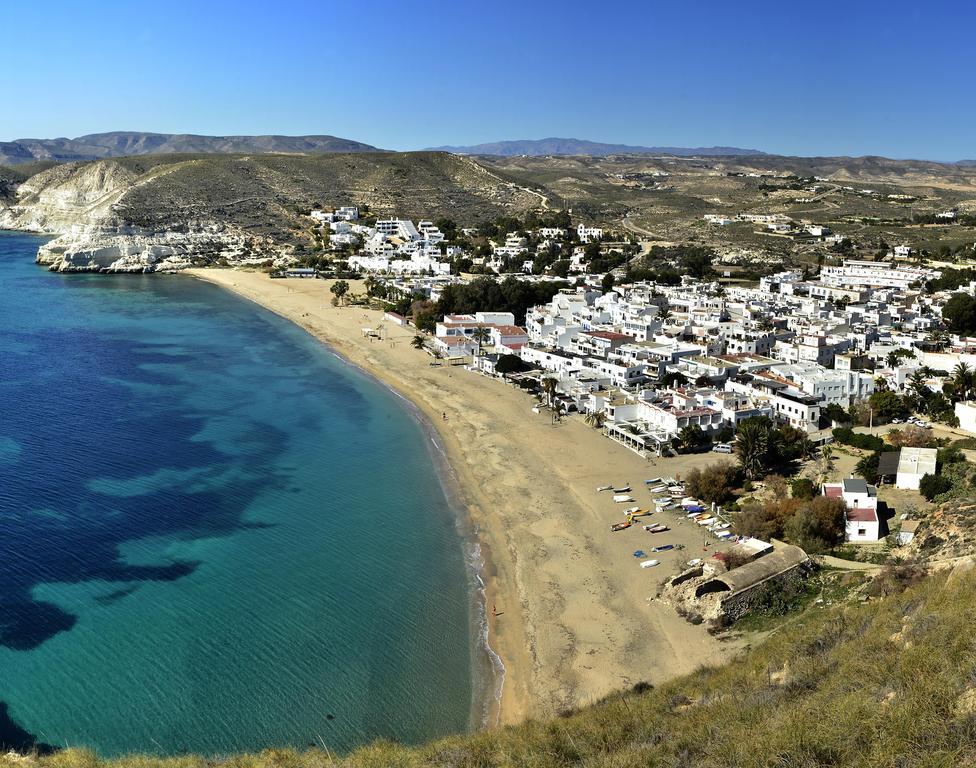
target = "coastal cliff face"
x: 85, y: 205
x: 164, y: 212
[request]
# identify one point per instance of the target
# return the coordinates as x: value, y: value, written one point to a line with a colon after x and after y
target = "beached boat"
x: 706, y: 521
x: 638, y: 513
x: 631, y: 510
x: 658, y: 489
x: 650, y: 563
x: 657, y: 528
x: 623, y: 499
x: 653, y: 481
x: 620, y: 526
x: 622, y: 489
x: 694, y: 562
x: 604, y: 488
x: 663, y: 548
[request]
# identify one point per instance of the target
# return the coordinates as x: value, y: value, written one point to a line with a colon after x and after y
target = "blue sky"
x: 891, y: 78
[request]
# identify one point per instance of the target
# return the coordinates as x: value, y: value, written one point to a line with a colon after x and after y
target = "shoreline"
x: 576, y: 620
x: 488, y: 672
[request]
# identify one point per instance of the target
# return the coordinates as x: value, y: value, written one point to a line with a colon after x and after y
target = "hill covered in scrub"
x: 889, y: 682
x: 122, y: 143
x: 208, y: 205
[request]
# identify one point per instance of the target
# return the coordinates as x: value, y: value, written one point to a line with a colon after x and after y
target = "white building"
x: 586, y: 234
x: 876, y: 274
x: 861, y: 501
x: 913, y: 465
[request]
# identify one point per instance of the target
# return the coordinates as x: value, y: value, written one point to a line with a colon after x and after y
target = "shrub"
x: 715, y: 483
x: 818, y: 525
x: 933, y: 485
x: 848, y: 436
x: 802, y: 488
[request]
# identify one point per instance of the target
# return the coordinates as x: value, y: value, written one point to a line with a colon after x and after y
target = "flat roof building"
x: 913, y: 465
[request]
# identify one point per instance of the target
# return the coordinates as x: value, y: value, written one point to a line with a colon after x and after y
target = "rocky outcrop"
x: 134, y: 251
x: 84, y: 206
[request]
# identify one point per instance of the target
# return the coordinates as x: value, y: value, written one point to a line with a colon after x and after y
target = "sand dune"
x: 577, y: 615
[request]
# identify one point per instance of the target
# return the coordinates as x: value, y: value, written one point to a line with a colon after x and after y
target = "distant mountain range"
x: 123, y: 143
x: 554, y: 146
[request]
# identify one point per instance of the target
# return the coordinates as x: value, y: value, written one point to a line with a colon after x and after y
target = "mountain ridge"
x: 98, y: 146
x: 568, y: 146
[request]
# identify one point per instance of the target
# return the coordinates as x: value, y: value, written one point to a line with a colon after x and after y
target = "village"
x: 798, y: 377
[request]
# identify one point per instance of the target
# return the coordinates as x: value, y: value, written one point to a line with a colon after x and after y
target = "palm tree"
x: 595, y: 419
x: 549, y: 387
x: 938, y: 340
x: 481, y: 335
x: 962, y: 380
x: 825, y: 464
x: 691, y: 437
x: 558, y: 409
x: 418, y: 342
x: 752, y: 447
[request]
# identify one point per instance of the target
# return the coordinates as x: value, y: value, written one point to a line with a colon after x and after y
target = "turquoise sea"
x: 215, y: 535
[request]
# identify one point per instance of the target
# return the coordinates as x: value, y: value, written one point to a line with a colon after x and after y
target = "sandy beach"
x: 577, y: 618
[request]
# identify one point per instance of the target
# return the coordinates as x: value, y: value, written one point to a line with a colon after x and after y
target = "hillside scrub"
x: 886, y: 683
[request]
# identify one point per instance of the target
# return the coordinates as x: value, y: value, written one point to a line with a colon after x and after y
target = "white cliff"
x: 85, y: 207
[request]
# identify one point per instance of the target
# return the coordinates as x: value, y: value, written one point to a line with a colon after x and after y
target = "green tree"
x: 549, y: 389
x: 596, y: 419
x: 481, y: 335
x: 959, y: 313
x: 608, y: 282
x: 509, y: 364
x: 339, y: 289
x: 714, y: 483
x: 418, y: 342
x: 756, y: 443
x: 931, y: 486
x: 887, y: 406
x: 691, y: 438
x: 818, y: 526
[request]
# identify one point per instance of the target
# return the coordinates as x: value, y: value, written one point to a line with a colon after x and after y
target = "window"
x: 862, y: 532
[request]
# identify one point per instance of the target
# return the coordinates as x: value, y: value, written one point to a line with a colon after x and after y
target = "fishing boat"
x: 653, y: 481
x: 620, y: 526
x: 663, y: 548
x: 658, y: 489
x: 706, y: 521
x: 604, y: 488
x: 650, y: 563
x: 656, y: 528
x: 631, y: 510
x: 638, y: 513
x: 622, y: 489
x: 622, y: 499
x: 695, y: 561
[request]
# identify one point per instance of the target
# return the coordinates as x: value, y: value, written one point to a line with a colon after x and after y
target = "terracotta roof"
x: 833, y: 491
x: 862, y: 515
x: 509, y: 330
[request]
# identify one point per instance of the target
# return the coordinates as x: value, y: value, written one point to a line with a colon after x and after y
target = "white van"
x: 722, y: 448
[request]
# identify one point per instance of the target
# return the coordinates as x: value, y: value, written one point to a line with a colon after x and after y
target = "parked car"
x: 722, y: 448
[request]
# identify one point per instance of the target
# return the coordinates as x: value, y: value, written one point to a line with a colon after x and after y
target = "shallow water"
x: 214, y: 534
